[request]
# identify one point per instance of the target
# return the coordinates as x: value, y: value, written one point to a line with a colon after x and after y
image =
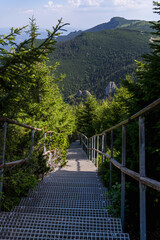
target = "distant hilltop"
x: 115, y: 22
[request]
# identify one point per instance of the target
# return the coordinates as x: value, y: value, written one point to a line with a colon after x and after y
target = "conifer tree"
x: 17, y: 66
x: 148, y: 72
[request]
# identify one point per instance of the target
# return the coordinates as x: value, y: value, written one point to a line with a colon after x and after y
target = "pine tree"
x: 18, y: 64
x: 148, y: 73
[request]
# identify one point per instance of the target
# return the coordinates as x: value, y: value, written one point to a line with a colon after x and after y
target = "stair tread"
x: 32, y: 234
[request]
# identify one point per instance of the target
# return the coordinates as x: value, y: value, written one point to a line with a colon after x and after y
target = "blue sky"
x: 81, y: 14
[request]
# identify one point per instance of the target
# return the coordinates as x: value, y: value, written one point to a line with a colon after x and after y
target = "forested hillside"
x: 115, y: 22
x: 30, y: 95
x: 96, y: 116
x: 93, y: 59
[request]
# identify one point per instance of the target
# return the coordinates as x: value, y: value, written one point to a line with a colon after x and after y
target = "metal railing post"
x: 105, y: 144
x: 94, y: 148
x: 123, y: 176
x: 97, y: 149
x: 88, y: 147
x: 89, y: 154
x: 32, y: 141
x: 110, y: 179
x: 102, y: 146
x: 142, y: 170
x: 44, y: 146
x: 2, y: 160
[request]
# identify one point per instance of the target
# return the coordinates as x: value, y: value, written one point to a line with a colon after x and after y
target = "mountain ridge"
x: 115, y: 22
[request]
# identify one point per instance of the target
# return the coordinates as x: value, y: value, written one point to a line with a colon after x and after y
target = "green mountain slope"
x: 93, y: 59
x: 119, y: 22
x: 115, y: 22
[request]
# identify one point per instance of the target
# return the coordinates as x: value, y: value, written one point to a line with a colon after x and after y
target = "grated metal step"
x: 68, y: 184
x: 68, y: 196
x: 67, y: 204
x: 98, y: 213
x: 25, y: 234
x: 66, y: 223
x: 76, y: 189
x: 36, y: 202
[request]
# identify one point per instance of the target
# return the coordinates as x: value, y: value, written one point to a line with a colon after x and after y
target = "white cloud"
x: 132, y: 3
x: 29, y: 11
x: 85, y: 3
x: 50, y: 5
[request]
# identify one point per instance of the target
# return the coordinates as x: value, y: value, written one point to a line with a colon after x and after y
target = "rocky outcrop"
x: 83, y: 93
x: 110, y: 89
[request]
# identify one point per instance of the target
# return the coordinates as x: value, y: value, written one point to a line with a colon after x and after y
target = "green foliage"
x: 29, y: 94
x: 86, y: 116
x: 131, y: 97
x: 93, y: 59
x: 20, y: 179
x: 114, y: 195
x: 17, y: 67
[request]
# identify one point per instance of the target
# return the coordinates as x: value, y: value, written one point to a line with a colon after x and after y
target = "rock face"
x: 83, y: 93
x: 110, y: 89
x: 79, y: 93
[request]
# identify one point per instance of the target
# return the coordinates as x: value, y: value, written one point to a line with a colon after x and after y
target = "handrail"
x: 133, y: 117
x: 7, y: 121
x: 17, y: 123
x: 11, y: 121
x: 14, y: 163
x: 89, y: 145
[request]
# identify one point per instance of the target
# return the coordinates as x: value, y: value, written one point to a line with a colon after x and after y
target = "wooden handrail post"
x: 110, y: 179
x: 97, y: 149
x: 123, y: 176
x: 32, y: 141
x: 142, y: 170
x: 2, y: 159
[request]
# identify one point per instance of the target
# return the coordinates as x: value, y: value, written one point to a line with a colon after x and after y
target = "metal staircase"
x: 68, y: 204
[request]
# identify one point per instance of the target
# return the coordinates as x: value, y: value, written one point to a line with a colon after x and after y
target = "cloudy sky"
x: 81, y: 14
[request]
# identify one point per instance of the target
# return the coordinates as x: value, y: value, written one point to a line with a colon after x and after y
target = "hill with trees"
x: 93, y: 59
x: 115, y: 22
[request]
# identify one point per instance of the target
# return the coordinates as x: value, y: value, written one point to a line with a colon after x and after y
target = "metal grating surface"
x: 69, y: 196
x: 46, y: 222
x: 63, y: 203
x: 67, y: 204
x: 25, y: 234
x: 98, y: 213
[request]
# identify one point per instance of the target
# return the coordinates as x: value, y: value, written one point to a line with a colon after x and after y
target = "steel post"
x: 142, y: 170
x: 2, y: 159
x: 110, y: 180
x: 32, y: 141
x: 97, y: 149
x: 123, y: 176
x: 94, y: 148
